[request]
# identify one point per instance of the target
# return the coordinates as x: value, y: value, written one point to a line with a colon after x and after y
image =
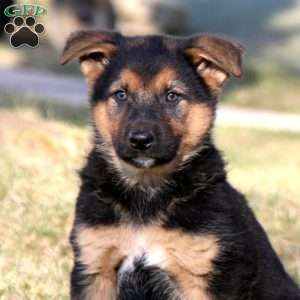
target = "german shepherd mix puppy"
x: 156, y: 217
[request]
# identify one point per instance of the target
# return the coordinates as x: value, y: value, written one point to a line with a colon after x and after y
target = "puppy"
x: 156, y: 217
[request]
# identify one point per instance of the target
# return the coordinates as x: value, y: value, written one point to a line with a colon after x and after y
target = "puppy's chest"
x: 186, y: 257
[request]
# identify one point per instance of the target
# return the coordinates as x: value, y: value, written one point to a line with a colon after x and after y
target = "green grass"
x: 39, y: 156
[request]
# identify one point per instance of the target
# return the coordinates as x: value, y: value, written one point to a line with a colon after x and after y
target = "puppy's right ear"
x: 215, y: 59
x: 94, y: 49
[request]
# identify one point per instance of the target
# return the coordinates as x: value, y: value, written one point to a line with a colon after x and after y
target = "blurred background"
x: 44, y: 134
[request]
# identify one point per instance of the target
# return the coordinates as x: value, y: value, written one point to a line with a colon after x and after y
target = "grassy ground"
x: 38, y: 185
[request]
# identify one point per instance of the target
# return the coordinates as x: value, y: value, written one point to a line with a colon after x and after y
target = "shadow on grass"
x: 48, y: 109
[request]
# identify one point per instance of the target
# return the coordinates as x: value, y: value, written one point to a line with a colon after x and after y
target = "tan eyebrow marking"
x: 131, y: 80
x: 163, y: 80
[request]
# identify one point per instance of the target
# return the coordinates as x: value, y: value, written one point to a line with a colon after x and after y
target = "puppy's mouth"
x: 143, y: 162
x: 147, y: 160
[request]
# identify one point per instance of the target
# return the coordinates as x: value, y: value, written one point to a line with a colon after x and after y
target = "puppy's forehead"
x: 135, y: 80
x: 147, y: 62
x: 155, y: 44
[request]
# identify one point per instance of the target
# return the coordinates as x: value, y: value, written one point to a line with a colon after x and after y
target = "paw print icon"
x: 24, y: 32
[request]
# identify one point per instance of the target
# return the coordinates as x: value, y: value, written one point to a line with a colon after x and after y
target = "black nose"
x: 141, y: 140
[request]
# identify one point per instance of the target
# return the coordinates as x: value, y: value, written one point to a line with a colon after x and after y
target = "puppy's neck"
x: 198, y: 176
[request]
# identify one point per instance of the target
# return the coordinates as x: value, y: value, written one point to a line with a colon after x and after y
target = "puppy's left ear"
x: 94, y: 49
x: 215, y: 59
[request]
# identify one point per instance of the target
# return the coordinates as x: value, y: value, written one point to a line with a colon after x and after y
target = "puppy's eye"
x: 121, y: 95
x: 172, y: 97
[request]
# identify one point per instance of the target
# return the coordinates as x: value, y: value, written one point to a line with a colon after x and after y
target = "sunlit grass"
x: 38, y: 186
x: 38, y: 163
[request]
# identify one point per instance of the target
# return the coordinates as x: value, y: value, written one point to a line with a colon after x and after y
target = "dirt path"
x: 72, y: 90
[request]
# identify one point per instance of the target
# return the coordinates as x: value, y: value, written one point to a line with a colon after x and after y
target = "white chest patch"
x: 152, y: 255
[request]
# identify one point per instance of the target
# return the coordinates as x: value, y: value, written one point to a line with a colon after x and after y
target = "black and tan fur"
x: 156, y: 217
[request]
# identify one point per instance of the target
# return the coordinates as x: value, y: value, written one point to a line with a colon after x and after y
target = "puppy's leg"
x: 97, y: 257
x: 92, y: 286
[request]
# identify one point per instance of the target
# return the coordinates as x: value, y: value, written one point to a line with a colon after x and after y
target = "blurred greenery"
x: 266, y: 86
x: 268, y: 29
x: 47, y: 108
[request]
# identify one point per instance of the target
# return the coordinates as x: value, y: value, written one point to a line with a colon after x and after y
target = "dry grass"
x: 38, y: 186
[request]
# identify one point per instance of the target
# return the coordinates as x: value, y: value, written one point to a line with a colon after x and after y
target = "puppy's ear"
x: 215, y: 59
x: 94, y: 49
